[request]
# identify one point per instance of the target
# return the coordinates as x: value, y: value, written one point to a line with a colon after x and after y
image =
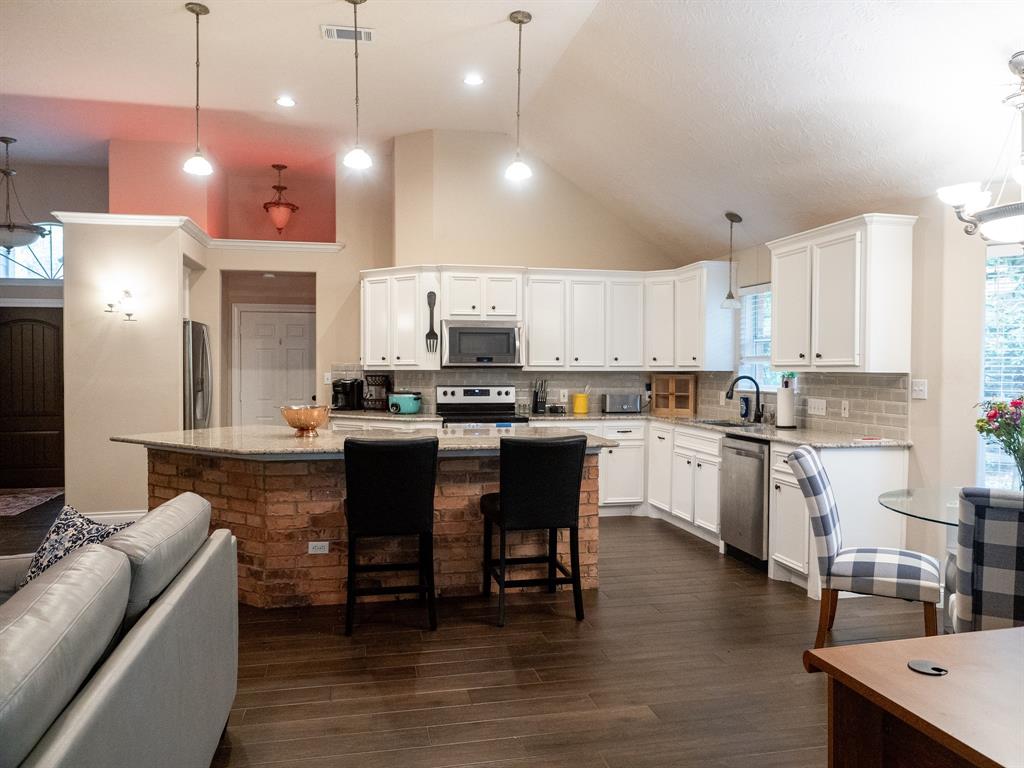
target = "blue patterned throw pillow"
x: 69, y: 531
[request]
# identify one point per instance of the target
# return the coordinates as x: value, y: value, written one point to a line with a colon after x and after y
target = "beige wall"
x: 46, y: 188
x: 453, y: 205
x: 119, y: 377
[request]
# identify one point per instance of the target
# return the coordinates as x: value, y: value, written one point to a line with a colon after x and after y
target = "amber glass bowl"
x: 305, y: 418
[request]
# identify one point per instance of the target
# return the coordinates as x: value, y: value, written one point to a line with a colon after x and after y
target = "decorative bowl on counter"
x: 305, y: 418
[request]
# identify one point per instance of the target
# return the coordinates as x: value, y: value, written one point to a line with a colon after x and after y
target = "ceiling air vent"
x: 335, y: 32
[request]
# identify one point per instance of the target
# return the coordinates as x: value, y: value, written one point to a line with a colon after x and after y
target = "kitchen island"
x: 277, y: 493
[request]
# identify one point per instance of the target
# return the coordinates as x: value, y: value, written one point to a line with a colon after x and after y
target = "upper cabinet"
x: 395, y: 318
x: 481, y: 295
x: 625, y: 323
x: 841, y: 296
x: 659, y: 322
x: 586, y: 322
x: 545, y: 331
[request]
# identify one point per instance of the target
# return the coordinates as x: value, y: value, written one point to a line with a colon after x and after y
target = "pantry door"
x: 276, y: 363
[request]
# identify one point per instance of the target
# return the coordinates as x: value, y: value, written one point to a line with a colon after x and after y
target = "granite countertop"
x: 364, y: 414
x: 273, y: 442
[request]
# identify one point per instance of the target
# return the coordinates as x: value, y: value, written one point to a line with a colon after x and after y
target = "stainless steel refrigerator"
x: 198, y: 370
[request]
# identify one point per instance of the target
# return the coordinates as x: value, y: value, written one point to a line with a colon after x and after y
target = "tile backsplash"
x: 879, y: 403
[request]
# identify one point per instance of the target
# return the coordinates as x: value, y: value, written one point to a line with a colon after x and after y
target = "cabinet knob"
x: 778, y: 487
x: 557, y: 359
x: 576, y: 359
x: 398, y: 357
x: 689, y: 462
x: 611, y: 450
x: 473, y: 307
x: 785, y: 461
x: 802, y: 355
x: 383, y: 357
x: 616, y: 359
x: 694, y: 357
x: 494, y: 306
x: 699, y: 465
x: 817, y: 355
x: 654, y: 359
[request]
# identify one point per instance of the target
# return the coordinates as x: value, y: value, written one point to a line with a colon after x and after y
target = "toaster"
x: 620, y: 403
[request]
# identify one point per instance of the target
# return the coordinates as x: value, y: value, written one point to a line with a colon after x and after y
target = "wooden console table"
x: 880, y: 713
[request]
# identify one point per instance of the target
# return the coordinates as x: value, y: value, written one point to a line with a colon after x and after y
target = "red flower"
x: 1017, y: 403
x: 993, y: 415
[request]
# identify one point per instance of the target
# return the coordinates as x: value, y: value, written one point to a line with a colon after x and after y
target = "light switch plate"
x: 845, y: 409
x: 319, y: 547
x: 563, y: 395
x: 327, y: 377
x: 919, y: 389
x: 815, y: 406
x: 721, y: 398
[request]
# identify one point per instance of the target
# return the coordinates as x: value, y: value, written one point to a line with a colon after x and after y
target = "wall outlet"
x: 563, y: 395
x: 815, y: 406
x: 319, y: 547
x: 919, y: 389
x: 327, y: 377
x: 721, y: 398
x: 845, y: 408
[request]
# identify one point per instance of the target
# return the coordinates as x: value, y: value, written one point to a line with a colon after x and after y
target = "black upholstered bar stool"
x: 389, y: 487
x: 540, y: 489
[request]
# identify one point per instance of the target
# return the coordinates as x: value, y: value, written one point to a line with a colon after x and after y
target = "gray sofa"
x: 124, y: 653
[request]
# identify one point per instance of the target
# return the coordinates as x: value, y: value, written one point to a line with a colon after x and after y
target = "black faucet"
x: 758, y: 410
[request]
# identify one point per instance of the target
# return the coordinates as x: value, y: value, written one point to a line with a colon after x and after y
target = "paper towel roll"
x: 785, y: 411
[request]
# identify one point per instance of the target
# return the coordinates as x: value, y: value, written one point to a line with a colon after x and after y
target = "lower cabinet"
x: 789, y: 537
x: 659, y: 466
x: 682, y: 484
x: 622, y: 474
x: 705, y: 493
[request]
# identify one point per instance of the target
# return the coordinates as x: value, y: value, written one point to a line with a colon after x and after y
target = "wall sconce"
x: 125, y: 304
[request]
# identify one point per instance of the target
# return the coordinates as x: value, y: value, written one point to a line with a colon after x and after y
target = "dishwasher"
x: 744, y: 496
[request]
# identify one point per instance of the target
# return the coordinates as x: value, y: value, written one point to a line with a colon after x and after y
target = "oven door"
x: 481, y: 344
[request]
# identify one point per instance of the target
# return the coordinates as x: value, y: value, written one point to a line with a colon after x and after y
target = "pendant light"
x: 14, y: 235
x: 357, y: 158
x: 517, y: 169
x: 280, y: 210
x: 197, y: 165
x: 730, y: 301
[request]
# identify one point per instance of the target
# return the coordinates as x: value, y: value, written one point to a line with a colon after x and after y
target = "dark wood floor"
x: 686, y: 658
x: 24, y: 532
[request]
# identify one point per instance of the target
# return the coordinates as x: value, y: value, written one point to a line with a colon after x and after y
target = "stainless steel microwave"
x: 485, y: 343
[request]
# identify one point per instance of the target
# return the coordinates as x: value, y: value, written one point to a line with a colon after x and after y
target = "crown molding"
x: 189, y: 227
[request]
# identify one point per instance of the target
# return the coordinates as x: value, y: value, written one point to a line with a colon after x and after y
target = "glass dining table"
x: 932, y: 505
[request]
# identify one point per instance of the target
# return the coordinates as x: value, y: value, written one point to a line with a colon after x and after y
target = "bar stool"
x: 540, y: 489
x: 389, y: 487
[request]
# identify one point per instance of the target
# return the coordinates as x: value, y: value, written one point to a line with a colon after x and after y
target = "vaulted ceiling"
x: 793, y: 113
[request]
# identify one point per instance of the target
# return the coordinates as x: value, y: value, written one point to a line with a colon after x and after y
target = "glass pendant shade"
x: 280, y: 215
x: 18, y: 235
x: 358, y: 159
x: 958, y: 194
x: 1006, y: 230
x: 198, y: 165
x: 518, y: 171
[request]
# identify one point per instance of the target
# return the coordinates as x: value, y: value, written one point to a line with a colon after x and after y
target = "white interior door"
x: 276, y: 364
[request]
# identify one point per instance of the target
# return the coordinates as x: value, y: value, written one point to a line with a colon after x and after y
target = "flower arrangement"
x: 1003, y: 423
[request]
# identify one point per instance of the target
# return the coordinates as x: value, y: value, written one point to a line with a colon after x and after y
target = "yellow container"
x: 581, y: 402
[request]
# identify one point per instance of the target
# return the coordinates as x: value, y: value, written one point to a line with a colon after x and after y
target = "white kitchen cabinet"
x: 791, y: 307
x: 545, y: 326
x: 621, y: 469
x: 586, y: 323
x: 394, y: 318
x: 841, y: 296
x: 481, y: 295
x: 683, y: 467
x: 789, y: 537
x: 376, y: 322
x: 705, y: 493
x: 704, y: 331
x: 407, y: 341
x: 625, y: 323
x: 659, y: 466
x: 658, y: 322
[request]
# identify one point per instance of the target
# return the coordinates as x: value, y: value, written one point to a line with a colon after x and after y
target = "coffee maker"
x: 347, y: 394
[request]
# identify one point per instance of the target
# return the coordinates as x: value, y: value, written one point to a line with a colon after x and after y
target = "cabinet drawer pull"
x: 660, y: 437
x: 624, y: 431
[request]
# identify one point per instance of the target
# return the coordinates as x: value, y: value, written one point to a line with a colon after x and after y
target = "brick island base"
x: 274, y: 508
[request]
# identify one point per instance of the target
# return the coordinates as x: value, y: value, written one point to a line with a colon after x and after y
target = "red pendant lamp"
x: 280, y: 210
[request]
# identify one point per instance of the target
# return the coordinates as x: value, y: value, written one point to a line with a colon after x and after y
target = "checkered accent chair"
x: 989, y: 560
x: 882, y: 571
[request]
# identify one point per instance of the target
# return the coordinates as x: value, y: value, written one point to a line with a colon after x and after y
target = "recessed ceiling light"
x: 473, y: 78
x: 285, y: 101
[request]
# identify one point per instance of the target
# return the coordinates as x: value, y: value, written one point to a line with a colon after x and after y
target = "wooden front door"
x: 31, y: 397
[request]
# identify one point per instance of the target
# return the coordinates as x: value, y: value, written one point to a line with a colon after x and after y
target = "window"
x: 1002, y: 351
x: 756, y: 341
x: 43, y: 260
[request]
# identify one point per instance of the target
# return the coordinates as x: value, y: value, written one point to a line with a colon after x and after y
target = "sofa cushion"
x: 69, y: 531
x: 159, y: 545
x: 53, y: 631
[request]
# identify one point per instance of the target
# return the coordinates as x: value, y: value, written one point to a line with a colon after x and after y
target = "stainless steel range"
x: 494, y: 405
